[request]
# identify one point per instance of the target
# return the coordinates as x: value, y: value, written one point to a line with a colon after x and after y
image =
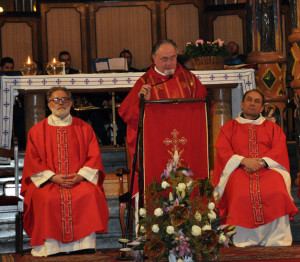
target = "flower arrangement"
x: 201, y: 48
x: 179, y: 218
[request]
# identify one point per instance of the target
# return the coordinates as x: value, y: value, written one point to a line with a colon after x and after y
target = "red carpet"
x: 249, y: 254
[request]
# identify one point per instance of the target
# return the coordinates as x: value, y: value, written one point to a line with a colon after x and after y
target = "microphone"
x: 170, y: 77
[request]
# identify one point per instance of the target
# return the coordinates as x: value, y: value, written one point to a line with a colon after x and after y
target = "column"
x: 222, y: 113
x: 294, y: 39
x: 35, y: 110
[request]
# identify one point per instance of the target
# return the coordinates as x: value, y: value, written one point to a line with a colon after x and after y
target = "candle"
x: 29, y: 68
x: 54, y: 67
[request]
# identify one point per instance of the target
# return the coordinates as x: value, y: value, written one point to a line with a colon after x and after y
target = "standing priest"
x: 252, y: 177
x: 65, y: 205
x: 165, y: 79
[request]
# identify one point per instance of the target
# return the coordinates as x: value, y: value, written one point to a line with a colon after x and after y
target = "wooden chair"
x: 124, y: 187
x: 13, y: 204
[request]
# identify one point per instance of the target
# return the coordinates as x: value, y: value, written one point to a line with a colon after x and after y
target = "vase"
x: 208, y: 62
x: 172, y: 258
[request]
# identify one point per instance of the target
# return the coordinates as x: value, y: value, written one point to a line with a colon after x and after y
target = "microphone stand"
x: 156, y: 84
x: 133, y: 168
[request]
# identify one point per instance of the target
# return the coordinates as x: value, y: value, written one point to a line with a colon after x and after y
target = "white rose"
x: 206, y: 227
x: 211, y: 205
x: 142, y: 212
x: 170, y: 230
x: 198, y: 216
x: 158, y: 212
x: 164, y: 184
x: 196, y: 230
x: 155, y: 228
x: 212, y: 215
x: 181, y: 186
x: 222, y: 238
x: 142, y: 229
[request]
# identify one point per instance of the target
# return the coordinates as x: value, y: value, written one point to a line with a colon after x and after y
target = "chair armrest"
x: 120, y: 173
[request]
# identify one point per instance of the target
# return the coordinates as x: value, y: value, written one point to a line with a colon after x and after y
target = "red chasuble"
x: 53, y: 212
x: 183, y: 84
x: 252, y: 200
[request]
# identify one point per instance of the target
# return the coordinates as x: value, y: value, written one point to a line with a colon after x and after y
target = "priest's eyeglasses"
x: 63, y: 99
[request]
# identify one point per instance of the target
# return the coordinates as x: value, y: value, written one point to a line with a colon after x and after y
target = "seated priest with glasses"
x: 64, y: 201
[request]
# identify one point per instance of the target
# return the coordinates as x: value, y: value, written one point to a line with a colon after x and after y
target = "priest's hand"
x: 145, y: 90
x: 252, y: 165
x: 67, y: 181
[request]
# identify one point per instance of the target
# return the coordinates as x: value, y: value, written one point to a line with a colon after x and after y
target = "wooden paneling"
x: 116, y: 27
x: 64, y: 28
x: 229, y: 28
x: 180, y: 21
x: 16, y: 42
x: 19, y: 39
x: 229, y: 25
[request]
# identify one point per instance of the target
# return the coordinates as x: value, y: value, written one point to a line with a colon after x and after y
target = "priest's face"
x: 165, y: 59
x: 60, y: 104
x: 252, y: 105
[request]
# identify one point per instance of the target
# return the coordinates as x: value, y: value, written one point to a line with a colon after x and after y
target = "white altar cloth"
x: 102, y: 82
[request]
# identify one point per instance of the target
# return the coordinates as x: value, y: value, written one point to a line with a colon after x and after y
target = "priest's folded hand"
x: 67, y: 181
x: 252, y: 164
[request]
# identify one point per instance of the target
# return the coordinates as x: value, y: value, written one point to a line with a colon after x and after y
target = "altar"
x: 239, y: 81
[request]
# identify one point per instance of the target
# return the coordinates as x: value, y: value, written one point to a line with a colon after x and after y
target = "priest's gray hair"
x: 58, y: 88
x: 161, y: 42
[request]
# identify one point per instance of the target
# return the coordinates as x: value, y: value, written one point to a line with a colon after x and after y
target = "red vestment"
x: 252, y: 200
x: 183, y: 84
x: 52, y: 212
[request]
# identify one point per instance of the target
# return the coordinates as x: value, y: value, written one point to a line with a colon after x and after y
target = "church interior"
x: 97, y: 30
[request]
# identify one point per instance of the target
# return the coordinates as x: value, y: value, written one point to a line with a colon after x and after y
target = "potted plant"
x: 179, y: 221
x: 207, y: 55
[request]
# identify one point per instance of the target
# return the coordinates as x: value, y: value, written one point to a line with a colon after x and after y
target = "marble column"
x: 35, y: 110
x: 222, y: 113
x: 294, y: 62
x: 265, y: 49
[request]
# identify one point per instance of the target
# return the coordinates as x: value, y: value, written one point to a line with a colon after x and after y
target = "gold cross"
x: 175, y: 141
